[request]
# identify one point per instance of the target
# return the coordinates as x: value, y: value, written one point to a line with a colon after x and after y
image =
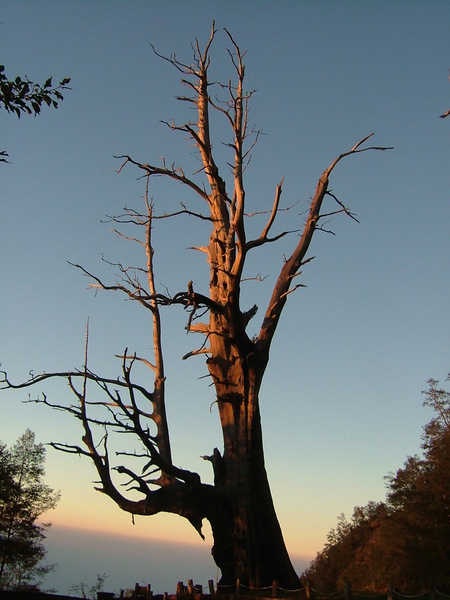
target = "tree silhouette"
x: 21, y: 96
x: 24, y: 497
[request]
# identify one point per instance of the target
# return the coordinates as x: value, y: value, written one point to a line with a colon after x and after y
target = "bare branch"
x: 293, y: 263
x: 355, y: 150
x: 183, y: 211
x: 257, y: 277
x: 196, y: 353
x: 263, y: 237
x: 177, y: 175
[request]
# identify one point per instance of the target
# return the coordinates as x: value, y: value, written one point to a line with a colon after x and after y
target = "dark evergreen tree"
x: 24, y: 497
x: 406, y: 540
x: 419, y: 496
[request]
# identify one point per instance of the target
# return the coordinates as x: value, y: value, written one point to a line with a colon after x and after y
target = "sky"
x: 341, y: 402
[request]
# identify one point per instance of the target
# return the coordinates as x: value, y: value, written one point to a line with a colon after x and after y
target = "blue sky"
x: 341, y: 400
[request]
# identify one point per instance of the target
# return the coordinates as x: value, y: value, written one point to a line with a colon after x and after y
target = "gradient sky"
x: 341, y: 401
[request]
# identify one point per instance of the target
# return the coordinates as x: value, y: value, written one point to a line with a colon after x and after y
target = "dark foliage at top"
x: 19, y: 96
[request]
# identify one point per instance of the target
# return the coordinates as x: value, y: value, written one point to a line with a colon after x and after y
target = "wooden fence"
x: 193, y: 591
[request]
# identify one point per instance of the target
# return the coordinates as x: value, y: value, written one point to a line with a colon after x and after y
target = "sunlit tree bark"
x: 248, y: 543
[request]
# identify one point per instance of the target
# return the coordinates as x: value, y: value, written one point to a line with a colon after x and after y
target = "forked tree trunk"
x: 248, y: 543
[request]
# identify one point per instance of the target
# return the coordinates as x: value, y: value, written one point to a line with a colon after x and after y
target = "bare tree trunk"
x: 248, y: 543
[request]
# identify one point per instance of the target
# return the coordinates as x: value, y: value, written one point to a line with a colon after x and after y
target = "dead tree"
x: 248, y: 542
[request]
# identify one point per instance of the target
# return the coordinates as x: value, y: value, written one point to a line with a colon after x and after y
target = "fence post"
x: 308, y: 589
x: 190, y: 586
x: 238, y: 586
x: 348, y: 591
x: 180, y: 588
x: 211, y: 586
x: 389, y: 591
x: 274, y: 588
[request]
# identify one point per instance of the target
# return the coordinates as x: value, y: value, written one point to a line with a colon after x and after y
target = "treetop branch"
x: 293, y: 263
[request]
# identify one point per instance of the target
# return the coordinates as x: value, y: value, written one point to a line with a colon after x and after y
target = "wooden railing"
x: 239, y: 591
